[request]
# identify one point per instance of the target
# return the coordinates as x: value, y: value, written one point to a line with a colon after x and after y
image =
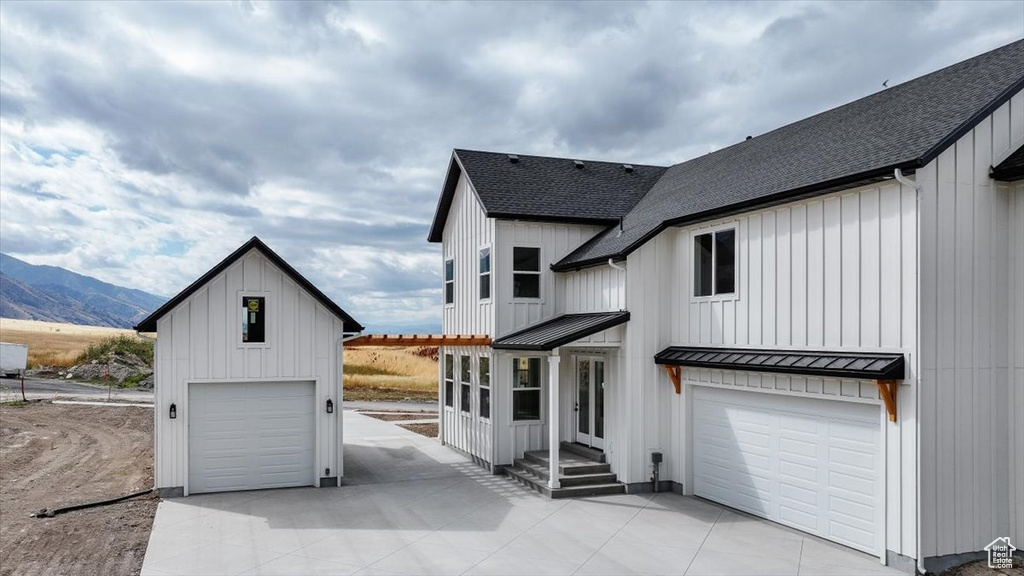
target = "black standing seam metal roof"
x: 859, y: 365
x: 1011, y: 169
x: 545, y: 189
x: 560, y: 330
x: 905, y: 126
x: 350, y: 325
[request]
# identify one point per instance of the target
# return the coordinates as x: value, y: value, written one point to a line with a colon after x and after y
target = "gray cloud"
x: 326, y: 127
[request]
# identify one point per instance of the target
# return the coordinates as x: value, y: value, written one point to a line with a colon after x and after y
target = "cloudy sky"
x: 142, y: 142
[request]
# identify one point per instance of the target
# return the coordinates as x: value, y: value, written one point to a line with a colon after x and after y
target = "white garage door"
x: 247, y: 436
x: 814, y: 465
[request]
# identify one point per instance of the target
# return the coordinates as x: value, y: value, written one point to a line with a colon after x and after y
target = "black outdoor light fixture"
x: 174, y: 411
x: 330, y: 406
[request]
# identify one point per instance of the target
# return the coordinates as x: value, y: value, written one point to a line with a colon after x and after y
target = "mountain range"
x: 54, y: 294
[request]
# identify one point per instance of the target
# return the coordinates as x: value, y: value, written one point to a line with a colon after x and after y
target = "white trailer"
x: 13, y: 359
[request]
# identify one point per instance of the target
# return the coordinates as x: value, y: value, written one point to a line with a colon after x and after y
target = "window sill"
x: 732, y: 297
x: 527, y: 422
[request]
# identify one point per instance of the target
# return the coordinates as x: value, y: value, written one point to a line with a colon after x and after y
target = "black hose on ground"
x: 44, y: 513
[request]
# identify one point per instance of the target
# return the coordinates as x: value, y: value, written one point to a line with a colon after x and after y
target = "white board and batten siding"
x: 1016, y: 360
x: 972, y: 350
x: 467, y: 230
x: 199, y: 343
x: 835, y: 272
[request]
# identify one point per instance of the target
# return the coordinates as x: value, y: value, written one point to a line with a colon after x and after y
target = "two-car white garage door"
x: 811, y: 464
x: 248, y: 436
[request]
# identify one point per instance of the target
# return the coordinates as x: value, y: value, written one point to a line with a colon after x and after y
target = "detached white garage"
x: 248, y: 379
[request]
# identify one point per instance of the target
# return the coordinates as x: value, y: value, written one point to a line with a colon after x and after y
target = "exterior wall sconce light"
x: 330, y: 406
x: 174, y: 411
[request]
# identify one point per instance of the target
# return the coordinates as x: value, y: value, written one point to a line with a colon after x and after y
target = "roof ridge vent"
x: 628, y: 168
x: 513, y: 159
x: 579, y: 164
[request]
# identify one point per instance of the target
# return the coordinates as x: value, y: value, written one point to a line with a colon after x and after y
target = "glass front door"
x: 590, y: 383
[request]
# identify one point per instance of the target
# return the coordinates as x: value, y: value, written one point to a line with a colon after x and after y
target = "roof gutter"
x: 783, y: 197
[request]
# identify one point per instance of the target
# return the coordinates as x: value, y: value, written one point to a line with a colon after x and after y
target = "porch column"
x: 553, y: 426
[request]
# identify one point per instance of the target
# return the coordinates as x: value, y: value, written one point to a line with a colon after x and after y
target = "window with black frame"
x: 449, y: 281
x: 484, y: 371
x: 525, y: 272
x: 714, y: 263
x: 449, y: 380
x: 254, y: 326
x: 526, y: 388
x: 485, y: 273
x: 466, y: 387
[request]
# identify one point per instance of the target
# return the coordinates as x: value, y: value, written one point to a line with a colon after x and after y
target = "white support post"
x: 553, y: 442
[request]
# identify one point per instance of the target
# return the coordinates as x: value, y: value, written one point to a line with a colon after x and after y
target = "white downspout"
x: 339, y: 453
x: 622, y: 269
x: 898, y: 175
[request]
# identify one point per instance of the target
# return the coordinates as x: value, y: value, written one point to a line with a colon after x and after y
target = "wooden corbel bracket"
x: 675, y: 375
x: 888, y: 390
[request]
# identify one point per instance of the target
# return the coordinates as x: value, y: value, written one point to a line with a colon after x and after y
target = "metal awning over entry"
x: 560, y: 330
x: 885, y: 368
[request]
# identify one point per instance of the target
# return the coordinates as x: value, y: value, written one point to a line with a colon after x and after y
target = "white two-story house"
x: 822, y: 325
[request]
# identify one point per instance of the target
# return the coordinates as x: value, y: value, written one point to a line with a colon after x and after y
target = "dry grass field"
x: 52, y: 343
x: 391, y: 373
x: 370, y: 373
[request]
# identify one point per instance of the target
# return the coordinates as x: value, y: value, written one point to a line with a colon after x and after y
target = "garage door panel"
x: 814, y: 464
x: 246, y: 436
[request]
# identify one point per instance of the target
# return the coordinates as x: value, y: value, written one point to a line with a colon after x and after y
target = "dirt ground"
x: 981, y: 568
x: 57, y: 455
x: 399, y: 416
x: 384, y: 394
x: 428, y: 430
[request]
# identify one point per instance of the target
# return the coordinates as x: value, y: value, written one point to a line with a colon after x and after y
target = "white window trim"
x: 727, y: 297
x: 539, y: 273
x: 268, y: 336
x: 445, y: 282
x: 543, y: 396
x: 489, y: 273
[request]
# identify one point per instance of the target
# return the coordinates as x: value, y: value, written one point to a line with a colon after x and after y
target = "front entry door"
x: 590, y: 402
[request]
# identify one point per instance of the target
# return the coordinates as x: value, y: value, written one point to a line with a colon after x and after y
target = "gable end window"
x: 485, y: 273
x: 449, y: 281
x: 714, y: 263
x: 525, y: 272
x: 254, y: 314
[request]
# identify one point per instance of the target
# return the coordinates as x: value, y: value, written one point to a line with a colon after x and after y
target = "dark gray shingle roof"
x: 905, y: 127
x: 542, y: 188
x: 350, y: 325
x: 560, y: 330
x: 869, y: 366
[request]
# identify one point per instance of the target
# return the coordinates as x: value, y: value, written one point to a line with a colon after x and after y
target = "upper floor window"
x: 485, y: 273
x: 714, y: 263
x: 525, y: 272
x: 254, y: 326
x: 449, y: 281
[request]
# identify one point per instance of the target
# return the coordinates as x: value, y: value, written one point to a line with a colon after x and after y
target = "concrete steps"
x: 581, y: 472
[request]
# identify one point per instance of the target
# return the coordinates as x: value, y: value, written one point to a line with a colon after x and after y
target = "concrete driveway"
x: 409, y: 506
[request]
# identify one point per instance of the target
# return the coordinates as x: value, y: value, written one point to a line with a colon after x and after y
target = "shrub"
x: 122, y: 344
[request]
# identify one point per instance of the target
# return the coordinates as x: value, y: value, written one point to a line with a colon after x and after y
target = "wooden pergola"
x: 403, y: 340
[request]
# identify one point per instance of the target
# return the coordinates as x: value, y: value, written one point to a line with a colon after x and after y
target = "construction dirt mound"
x: 119, y: 367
